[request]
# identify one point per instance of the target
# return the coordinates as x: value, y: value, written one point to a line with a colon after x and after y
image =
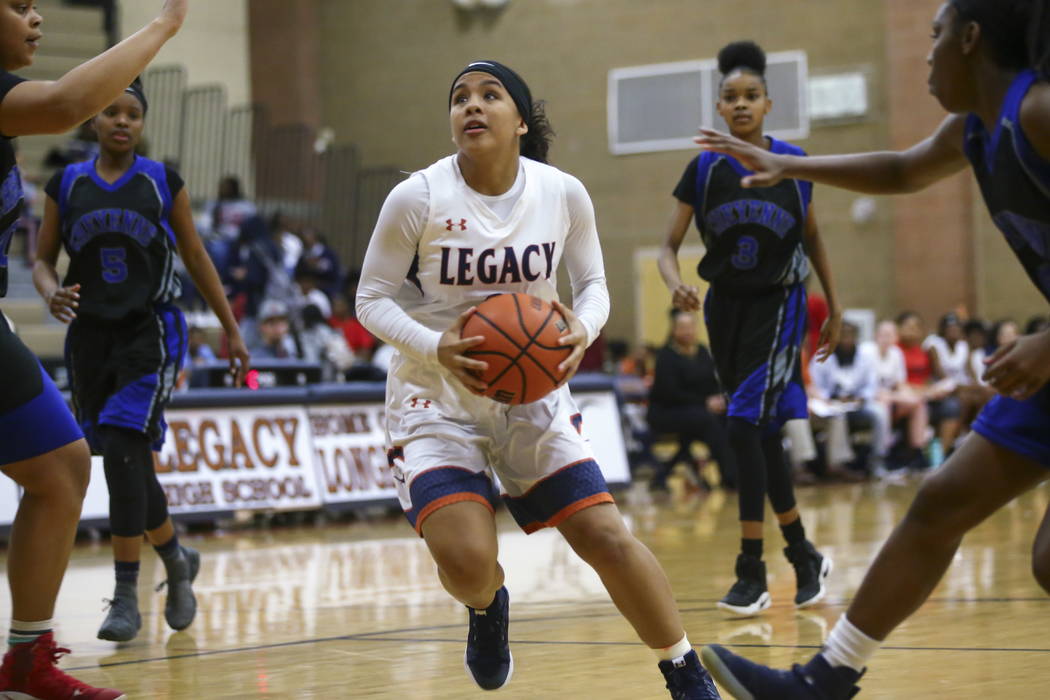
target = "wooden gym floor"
x: 356, y: 610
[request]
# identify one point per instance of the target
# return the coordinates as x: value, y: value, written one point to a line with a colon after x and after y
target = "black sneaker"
x: 687, y: 679
x: 488, y: 659
x: 749, y: 595
x: 746, y: 680
x: 123, y: 620
x: 811, y: 570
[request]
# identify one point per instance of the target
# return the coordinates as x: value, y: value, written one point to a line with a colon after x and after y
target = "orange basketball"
x: 521, y: 346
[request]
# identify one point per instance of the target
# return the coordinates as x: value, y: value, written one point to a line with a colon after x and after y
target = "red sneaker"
x: 30, y: 672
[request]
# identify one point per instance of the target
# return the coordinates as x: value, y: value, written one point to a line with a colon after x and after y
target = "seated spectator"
x: 685, y: 399
x: 362, y: 343
x: 897, y: 399
x: 926, y: 377
x: 255, y: 271
x: 320, y: 260
x: 950, y: 355
x: 275, y: 340
x: 323, y: 344
x: 842, y: 395
x: 288, y: 241
x: 976, y: 392
x: 222, y: 228
x: 976, y: 332
x: 198, y: 351
x: 307, y: 293
x: 1003, y: 333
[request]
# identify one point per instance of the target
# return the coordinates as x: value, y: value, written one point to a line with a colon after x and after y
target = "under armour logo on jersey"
x: 450, y: 223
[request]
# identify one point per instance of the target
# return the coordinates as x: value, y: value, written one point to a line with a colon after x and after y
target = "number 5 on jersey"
x: 114, y: 264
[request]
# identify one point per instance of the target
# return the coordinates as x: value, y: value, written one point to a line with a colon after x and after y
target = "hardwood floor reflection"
x: 356, y: 610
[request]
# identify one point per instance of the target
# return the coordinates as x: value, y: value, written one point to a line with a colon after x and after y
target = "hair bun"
x: 742, y: 54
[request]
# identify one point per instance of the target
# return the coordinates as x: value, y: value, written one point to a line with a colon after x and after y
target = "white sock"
x: 681, y: 648
x: 848, y: 646
x: 22, y: 632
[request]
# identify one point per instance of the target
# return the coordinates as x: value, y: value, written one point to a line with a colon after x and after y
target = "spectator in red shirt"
x: 361, y: 342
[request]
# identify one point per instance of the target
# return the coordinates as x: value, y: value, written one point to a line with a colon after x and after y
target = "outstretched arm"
x: 886, y: 172
x: 52, y: 107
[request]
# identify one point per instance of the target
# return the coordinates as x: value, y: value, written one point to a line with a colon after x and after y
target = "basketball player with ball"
x: 494, y: 219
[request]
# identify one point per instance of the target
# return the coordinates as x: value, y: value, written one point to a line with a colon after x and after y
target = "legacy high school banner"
x: 297, y: 456
x: 240, y: 458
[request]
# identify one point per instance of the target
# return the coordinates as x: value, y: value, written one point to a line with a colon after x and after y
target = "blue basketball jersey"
x: 1015, y: 182
x: 754, y: 237
x: 10, y: 187
x: 119, y: 238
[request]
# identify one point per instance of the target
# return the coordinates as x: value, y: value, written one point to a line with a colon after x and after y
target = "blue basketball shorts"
x: 34, y: 418
x: 1020, y: 426
x: 756, y: 343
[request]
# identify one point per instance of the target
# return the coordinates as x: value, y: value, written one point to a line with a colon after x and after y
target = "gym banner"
x: 298, y: 449
x: 349, y: 452
x: 217, y: 459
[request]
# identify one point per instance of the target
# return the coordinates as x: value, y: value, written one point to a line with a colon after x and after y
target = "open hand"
x: 768, y: 167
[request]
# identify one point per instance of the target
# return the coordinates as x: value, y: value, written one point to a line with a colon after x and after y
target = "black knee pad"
x: 745, y: 440
x: 127, y: 460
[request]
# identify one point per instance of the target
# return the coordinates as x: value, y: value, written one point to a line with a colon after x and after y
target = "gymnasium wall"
x: 383, y: 78
x: 212, y: 45
x: 386, y: 75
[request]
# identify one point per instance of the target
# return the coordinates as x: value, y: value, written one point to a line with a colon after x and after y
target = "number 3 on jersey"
x: 114, y: 264
x: 746, y: 255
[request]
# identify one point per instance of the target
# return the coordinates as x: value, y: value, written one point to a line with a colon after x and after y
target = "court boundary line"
x: 386, y: 636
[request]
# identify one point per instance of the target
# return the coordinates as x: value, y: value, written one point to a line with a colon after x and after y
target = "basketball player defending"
x: 41, y: 446
x: 995, y: 84
x: 495, y: 218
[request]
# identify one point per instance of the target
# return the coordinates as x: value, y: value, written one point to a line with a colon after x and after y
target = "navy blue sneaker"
x: 488, y: 658
x: 687, y: 679
x: 746, y: 680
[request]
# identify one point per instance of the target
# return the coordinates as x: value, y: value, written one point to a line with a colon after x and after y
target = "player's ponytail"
x: 537, y: 142
x: 1039, y: 38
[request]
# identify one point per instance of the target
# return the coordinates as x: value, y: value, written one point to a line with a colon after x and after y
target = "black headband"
x: 512, y: 82
x: 135, y: 90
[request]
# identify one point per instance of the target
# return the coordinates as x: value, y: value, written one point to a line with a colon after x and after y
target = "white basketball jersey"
x: 467, y: 253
